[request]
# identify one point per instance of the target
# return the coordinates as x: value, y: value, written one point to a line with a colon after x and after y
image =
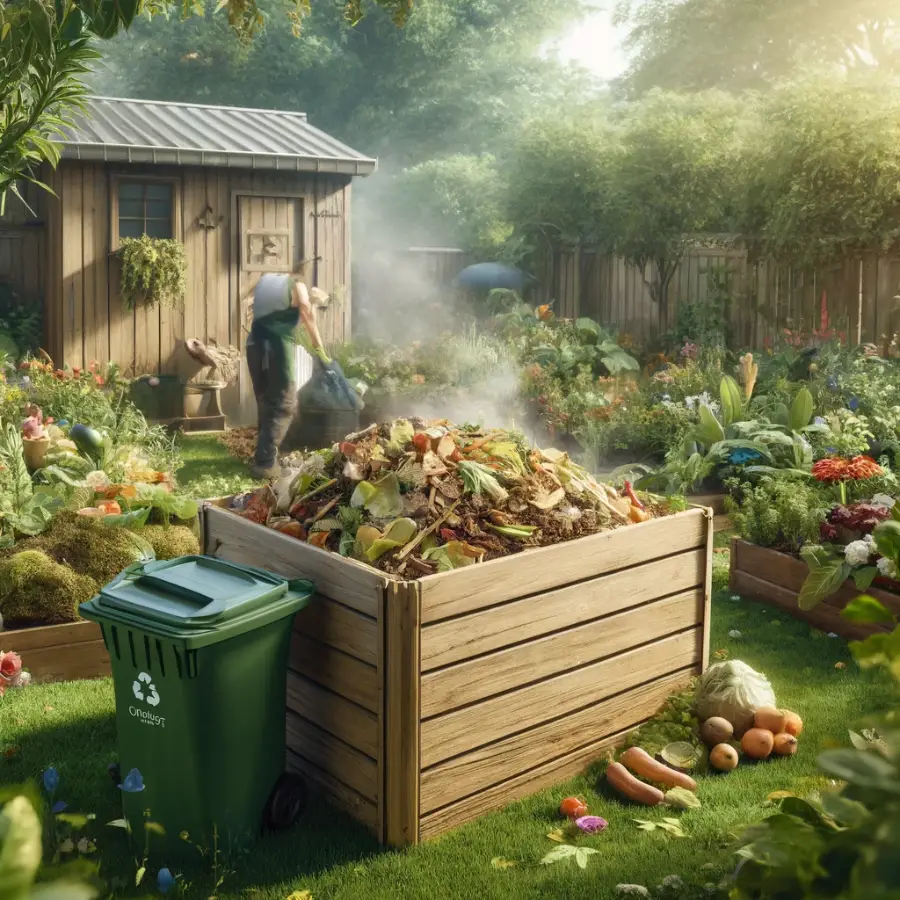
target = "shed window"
x: 146, y: 208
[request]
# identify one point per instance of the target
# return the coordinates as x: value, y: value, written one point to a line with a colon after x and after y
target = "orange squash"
x: 785, y: 744
x: 793, y: 724
x: 757, y: 743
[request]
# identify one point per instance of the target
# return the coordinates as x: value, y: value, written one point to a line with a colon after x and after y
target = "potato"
x: 723, y: 757
x: 716, y: 731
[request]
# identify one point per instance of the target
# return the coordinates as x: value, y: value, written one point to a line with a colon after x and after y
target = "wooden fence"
x: 767, y: 297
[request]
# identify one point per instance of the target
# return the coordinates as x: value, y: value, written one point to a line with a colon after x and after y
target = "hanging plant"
x: 153, y: 272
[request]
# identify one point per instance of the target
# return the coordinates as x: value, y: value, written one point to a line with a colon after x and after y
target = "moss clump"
x: 37, y: 590
x: 96, y: 550
x: 171, y: 542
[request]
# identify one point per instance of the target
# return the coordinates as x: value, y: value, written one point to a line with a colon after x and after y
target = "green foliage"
x: 458, y: 78
x: 456, y: 201
x: 153, y: 272
x: 843, y: 842
x: 776, y: 512
x: 825, y: 171
x: 21, y: 321
x: 740, y: 44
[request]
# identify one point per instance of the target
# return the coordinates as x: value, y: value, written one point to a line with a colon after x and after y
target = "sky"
x: 595, y: 44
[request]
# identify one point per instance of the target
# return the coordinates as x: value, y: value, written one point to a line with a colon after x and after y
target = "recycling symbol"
x: 151, y: 698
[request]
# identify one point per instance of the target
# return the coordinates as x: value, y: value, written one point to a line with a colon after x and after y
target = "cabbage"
x: 733, y: 691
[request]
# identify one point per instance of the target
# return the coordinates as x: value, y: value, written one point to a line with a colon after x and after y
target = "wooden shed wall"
x: 22, y: 243
x: 86, y: 319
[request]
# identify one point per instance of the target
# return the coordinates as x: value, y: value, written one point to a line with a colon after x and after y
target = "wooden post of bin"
x: 402, y: 713
x: 707, y: 603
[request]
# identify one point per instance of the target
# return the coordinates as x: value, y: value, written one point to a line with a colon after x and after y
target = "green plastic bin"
x: 199, y: 651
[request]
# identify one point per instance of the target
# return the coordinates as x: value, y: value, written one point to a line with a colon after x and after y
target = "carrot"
x: 641, y: 763
x: 621, y: 780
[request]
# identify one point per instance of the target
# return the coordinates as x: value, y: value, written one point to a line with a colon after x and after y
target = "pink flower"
x: 591, y: 824
x: 10, y: 665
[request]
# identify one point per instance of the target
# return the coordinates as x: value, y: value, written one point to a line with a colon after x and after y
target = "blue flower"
x: 59, y: 806
x: 62, y: 422
x: 853, y: 404
x: 165, y: 880
x: 743, y: 455
x: 818, y: 420
x: 51, y: 780
x: 133, y: 783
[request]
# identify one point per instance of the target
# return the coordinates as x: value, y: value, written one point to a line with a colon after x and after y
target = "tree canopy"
x: 457, y: 78
x: 46, y: 47
x: 752, y: 44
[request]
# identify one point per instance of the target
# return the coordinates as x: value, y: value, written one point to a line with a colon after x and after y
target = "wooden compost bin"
x: 769, y: 576
x: 420, y: 705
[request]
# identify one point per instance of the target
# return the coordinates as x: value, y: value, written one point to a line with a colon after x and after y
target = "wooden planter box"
x: 776, y: 578
x: 421, y: 705
x: 60, y: 652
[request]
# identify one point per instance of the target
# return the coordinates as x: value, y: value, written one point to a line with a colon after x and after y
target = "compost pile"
x: 414, y: 498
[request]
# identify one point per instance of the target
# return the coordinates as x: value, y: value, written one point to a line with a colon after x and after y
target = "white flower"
x: 884, y: 500
x: 888, y: 568
x: 23, y: 680
x: 857, y: 553
x: 98, y: 481
x: 735, y: 634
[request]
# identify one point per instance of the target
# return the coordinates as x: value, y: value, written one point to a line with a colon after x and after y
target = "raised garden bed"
x: 70, y: 652
x: 420, y: 705
x: 769, y: 576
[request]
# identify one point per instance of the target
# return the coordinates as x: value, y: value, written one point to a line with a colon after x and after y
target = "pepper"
x: 630, y: 494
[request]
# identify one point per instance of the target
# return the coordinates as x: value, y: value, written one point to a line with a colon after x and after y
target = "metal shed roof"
x: 191, y: 134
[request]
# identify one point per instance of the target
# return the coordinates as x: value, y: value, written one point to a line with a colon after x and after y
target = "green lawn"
x: 210, y: 470
x: 71, y: 727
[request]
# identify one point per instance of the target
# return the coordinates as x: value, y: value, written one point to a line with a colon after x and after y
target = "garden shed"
x: 245, y: 191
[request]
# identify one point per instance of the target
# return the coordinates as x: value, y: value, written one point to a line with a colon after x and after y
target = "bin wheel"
x: 287, y: 802
x: 115, y: 773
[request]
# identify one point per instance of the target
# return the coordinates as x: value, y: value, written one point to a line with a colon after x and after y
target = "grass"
x: 210, y: 470
x: 72, y: 727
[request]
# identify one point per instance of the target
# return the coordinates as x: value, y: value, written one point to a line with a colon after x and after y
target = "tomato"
x: 573, y: 808
x: 110, y: 507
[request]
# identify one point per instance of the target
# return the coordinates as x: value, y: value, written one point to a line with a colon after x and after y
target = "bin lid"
x: 192, y: 593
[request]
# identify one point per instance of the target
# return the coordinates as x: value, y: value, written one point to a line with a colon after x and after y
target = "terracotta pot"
x: 35, y: 451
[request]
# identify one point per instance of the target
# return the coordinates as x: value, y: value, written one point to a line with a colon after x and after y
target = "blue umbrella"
x: 491, y: 276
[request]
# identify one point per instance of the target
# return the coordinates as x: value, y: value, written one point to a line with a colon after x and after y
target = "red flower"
x: 76, y: 371
x: 837, y: 469
x: 10, y: 665
x: 863, y: 467
x: 99, y: 380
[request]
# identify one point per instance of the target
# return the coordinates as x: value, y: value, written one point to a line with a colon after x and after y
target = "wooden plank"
x: 346, y: 630
x: 534, y: 571
x: 402, y: 715
x: 336, y: 792
x: 482, y: 632
x: 353, y: 584
x: 53, y: 287
x: 774, y: 584
x: 517, y: 788
x: 706, y: 618
x: 478, y: 679
x: 474, y: 772
x: 101, y: 263
x: 465, y: 729
x: 789, y: 572
x: 72, y: 268
x: 333, y: 756
x: 27, y: 640
x: 340, y: 672
x: 338, y: 716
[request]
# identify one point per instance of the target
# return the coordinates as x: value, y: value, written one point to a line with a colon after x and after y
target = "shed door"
x: 270, y: 239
